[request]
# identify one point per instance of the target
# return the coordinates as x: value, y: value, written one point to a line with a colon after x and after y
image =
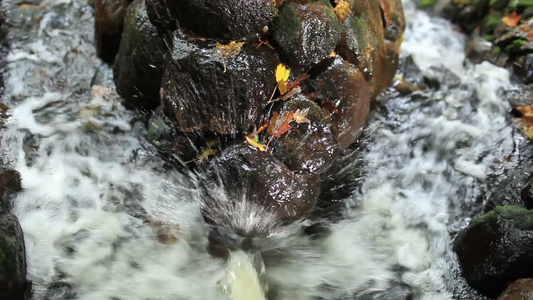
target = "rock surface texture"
x: 261, y: 95
x: 497, y: 249
x: 13, y: 283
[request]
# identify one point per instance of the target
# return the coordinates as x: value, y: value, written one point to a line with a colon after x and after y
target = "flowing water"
x: 89, y: 174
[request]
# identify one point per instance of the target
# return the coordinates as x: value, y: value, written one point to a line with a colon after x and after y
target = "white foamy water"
x: 87, y: 171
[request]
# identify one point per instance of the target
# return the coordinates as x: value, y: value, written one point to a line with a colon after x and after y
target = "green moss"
x: 331, y: 14
x: 515, y: 45
x: 522, y: 217
x: 362, y: 31
x: 427, y: 3
x: 286, y: 24
x: 490, y: 23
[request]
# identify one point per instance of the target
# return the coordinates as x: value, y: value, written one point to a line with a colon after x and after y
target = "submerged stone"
x: 497, y: 249
x: 306, y: 32
x: 204, y: 90
x: 139, y: 63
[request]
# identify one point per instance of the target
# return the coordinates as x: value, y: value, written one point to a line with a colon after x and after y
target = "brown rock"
x: 109, y: 20
x: 522, y: 289
x: 345, y: 87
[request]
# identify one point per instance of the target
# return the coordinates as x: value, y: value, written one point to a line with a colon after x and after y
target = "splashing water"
x: 93, y: 185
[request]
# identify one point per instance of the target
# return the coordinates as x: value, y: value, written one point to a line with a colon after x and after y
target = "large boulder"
x: 140, y: 61
x: 306, y: 32
x: 10, y: 182
x: 207, y: 89
x: 497, y: 249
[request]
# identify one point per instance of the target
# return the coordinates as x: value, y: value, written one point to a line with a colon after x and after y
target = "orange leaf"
x: 512, y: 19
x: 257, y: 145
x: 279, y: 124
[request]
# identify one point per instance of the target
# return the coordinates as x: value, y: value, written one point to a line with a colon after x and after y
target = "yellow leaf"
x: 229, y: 50
x: 208, y: 152
x: 342, y: 9
x: 282, y: 76
x: 257, y: 145
x: 529, y: 132
x: 300, y: 116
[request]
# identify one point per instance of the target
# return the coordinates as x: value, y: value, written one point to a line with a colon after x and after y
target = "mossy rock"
x: 496, y: 249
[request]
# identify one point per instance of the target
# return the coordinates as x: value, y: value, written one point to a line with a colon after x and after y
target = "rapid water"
x: 104, y: 218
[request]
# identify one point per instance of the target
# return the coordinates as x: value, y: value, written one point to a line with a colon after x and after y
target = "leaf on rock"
x: 512, y: 19
x: 229, y: 50
x: 300, y: 116
x: 255, y: 144
x: 279, y: 124
x: 282, y: 76
x: 342, y: 9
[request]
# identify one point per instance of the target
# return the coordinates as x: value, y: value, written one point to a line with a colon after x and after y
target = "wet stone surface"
x: 203, y: 91
x: 139, y: 63
x: 496, y: 249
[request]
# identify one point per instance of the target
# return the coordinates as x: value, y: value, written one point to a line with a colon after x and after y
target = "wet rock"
x: 496, y: 249
x: 140, y: 62
x: 307, y: 148
x: 524, y: 68
x: 224, y: 20
x: 9, y: 182
x: 204, y: 91
x: 345, y: 95
x: 526, y: 194
x: 242, y: 173
x: 109, y: 15
x: 175, y: 146
x: 522, y: 289
x: 479, y: 50
x: 306, y: 32
x: 13, y: 284
x: 362, y: 40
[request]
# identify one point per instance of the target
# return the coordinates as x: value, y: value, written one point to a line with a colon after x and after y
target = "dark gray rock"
x: 306, y: 33
x: 140, y: 62
x: 224, y: 20
x: 13, y: 284
x: 10, y: 182
x: 204, y: 91
x: 496, y: 249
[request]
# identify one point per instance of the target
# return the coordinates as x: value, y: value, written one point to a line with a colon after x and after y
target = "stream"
x: 88, y: 171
